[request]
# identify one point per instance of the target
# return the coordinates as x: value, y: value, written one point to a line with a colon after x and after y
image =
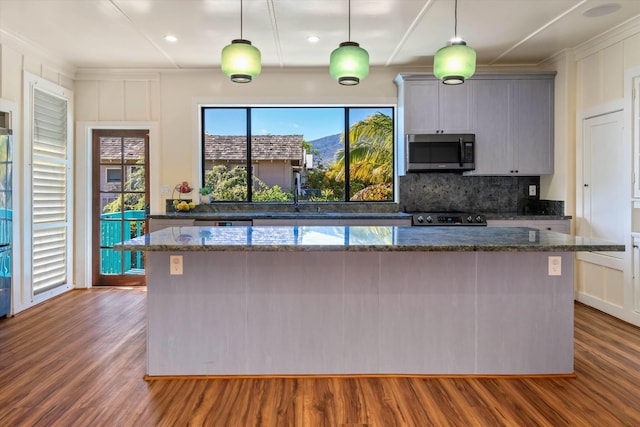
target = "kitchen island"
x: 303, y: 300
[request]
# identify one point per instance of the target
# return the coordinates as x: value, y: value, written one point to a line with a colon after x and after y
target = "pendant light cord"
x: 455, y: 21
x: 241, y: 18
x: 349, y: 38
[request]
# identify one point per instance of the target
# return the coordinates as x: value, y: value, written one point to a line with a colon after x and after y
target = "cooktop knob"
x: 469, y: 218
x: 420, y: 219
x: 478, y: 218
x: 429, y: 219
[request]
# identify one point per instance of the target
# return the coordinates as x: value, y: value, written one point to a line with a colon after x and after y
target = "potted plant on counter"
x: 205, y: 194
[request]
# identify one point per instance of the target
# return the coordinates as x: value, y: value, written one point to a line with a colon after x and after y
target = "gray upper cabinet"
x: 432, y: 107
x: 493, y: 126
x: 420, y: 107
x: 511, y: 115
x: 532, y: 126
x: 514, y: 125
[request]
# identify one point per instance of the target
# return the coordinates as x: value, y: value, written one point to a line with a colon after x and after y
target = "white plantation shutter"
x: 50, y: 225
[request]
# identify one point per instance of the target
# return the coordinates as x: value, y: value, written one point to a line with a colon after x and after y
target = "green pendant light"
x: 349, y: 63
x: 240, y: 60
x: 456, y: 62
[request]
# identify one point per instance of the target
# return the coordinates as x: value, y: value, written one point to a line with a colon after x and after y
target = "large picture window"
x: 340, y: 154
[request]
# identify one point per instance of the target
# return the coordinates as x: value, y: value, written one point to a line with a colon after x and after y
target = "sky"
x: 311, y: 122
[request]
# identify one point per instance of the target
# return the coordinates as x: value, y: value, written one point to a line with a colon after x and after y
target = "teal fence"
x: 111, y: 232
x: 6, y: 226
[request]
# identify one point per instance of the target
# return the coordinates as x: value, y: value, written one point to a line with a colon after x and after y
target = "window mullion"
x: 249, y: 164
x: 347, y: 186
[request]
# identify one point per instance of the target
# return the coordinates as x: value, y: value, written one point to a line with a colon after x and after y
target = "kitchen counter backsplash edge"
x: 537, y: 210
x: 315, y: 207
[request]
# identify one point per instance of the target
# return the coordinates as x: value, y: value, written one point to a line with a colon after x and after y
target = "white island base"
x: 333, y: 312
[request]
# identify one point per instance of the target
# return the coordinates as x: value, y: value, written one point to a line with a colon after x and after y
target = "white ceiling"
x: 130, y: 33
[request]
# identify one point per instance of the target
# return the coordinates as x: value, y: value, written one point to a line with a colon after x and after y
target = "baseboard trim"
x: 325, y: 376
x: 631, y: 317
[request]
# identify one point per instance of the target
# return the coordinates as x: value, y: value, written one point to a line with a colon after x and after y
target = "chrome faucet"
x: 296, y: 189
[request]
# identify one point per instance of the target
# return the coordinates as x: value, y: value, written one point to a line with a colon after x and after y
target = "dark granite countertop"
x: 364, y: 239
x: 228, y: 216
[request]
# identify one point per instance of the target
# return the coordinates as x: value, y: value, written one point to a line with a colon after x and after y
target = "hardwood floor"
x: 78, y: 360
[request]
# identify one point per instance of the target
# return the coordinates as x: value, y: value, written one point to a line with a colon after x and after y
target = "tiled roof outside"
x: 218, y: 147
x: 110, y: 148
x: 263, y: 147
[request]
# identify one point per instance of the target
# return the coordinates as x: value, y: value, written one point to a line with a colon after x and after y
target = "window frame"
x: 346, y: 110
x: 112, y: 181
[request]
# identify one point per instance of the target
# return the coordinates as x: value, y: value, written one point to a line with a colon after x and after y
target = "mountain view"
x: 327, y: 147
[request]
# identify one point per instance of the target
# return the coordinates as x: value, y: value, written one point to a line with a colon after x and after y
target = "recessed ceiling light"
x: 171, y: 38
x: 602, y: 10
x: 313, y: 39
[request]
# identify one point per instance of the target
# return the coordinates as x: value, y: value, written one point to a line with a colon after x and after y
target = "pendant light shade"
x: 241, y: 61
x: 349, y: 63
x: 456, y: 62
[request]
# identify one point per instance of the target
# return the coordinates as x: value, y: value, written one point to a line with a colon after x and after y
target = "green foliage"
x: 264, y: 193
x: 331, y: 189
x: 370, y: 156
x: 231, y: 185
x: 227, y: 184
x: 326, y: 195
x: 374, y: 192
x: 308, y: 147
x: 132, y: 201
x: 355, y: 187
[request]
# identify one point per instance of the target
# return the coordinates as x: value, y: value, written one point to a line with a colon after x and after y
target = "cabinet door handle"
x: 635, y: 246
x: 586, y: 185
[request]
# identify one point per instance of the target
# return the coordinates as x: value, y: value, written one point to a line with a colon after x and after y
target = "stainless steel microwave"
x: 440, y: 152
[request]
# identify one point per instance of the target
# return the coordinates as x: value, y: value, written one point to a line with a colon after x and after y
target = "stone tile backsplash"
x: 426, y: 192
x: 435, y: 192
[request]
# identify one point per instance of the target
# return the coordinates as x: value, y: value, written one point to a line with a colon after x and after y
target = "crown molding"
x: 563, y: 55
x: 615, y: 35
x: 35, y: 51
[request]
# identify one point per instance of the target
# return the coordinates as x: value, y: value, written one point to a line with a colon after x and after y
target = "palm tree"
x: 371, y: 151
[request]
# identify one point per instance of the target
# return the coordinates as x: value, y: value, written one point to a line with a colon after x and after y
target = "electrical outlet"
x: 175, y: 265
x: 532, y: 190
x: 555, y: 266
x: 164, y: 190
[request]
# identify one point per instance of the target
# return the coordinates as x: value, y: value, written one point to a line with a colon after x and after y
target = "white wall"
x: 561, y: 184
x: 600, y: 67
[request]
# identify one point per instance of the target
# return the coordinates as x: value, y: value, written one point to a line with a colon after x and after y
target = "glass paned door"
x: 120, y: 198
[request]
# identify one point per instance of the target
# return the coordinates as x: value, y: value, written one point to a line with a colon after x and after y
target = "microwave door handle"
x: 460, y: 151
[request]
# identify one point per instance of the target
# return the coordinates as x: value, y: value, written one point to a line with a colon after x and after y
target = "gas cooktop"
x: 448, y: 218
